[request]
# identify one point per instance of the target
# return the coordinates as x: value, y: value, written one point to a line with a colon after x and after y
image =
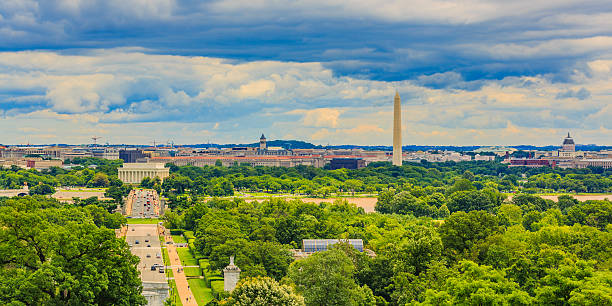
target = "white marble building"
x: 133, y: 173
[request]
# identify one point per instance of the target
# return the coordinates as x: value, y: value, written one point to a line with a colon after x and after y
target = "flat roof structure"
x: 318, y: 245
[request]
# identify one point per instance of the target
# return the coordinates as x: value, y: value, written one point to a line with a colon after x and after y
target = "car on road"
x: 161, y: 269
x: 148, y: 255
x: 136, y: 242
x: 148, y: 245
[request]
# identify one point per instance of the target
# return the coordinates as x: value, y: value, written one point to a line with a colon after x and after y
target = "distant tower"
x: 262, y: 142
x: 231, y: 275
x: 568, y: 144
x: 397, y: 130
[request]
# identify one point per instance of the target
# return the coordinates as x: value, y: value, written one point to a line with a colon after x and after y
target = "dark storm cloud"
x: 378, y: 40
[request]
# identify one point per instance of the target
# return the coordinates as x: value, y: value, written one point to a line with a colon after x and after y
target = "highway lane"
x: 145, y: 203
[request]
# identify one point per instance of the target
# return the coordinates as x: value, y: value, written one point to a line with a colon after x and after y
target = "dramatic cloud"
x: 121, y: 94
x: 383, y: 40
x: 474, y: 71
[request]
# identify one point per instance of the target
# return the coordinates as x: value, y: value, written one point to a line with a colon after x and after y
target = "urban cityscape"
x: 262, y: 153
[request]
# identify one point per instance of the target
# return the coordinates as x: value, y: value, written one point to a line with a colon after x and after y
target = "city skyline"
x: 479, y: 73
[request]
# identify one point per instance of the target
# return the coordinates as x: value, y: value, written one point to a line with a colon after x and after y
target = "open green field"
x: 174, y: 297
x: 166, y: 257
x: 143, y: 221
x: 83, y: 189
x: 178, y: 239
x: 202, y: 294
x: 192, y: 271
x: 186, y: 258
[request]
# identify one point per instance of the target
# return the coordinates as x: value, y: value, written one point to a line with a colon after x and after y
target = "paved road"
x: 143, y: 203
x: 144, y: 242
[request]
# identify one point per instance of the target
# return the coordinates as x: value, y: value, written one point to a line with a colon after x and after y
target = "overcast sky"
x: 492, y: 72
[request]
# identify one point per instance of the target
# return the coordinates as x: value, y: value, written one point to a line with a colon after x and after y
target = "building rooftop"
x: 143, y: 166
x: 568, y: 140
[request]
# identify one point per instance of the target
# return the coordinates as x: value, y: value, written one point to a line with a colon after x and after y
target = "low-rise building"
x: 530, y: 162
x: 585, y: 163
x: 347, y: 163
x: 479, y: 157
x: 319, y: 245
x: 228, y: 161
x: 131, y: 156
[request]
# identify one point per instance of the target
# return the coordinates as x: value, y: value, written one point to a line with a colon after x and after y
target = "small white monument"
x: 231, y: 275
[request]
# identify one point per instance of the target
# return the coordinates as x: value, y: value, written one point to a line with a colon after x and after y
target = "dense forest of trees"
x: 528, y: 251
x: 224, y: 181
x: 59, y: 254
x: 379, y: 177
x: 88, y: 172
x: 443, y: 234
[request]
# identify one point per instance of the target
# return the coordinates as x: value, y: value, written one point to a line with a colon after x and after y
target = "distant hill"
x: 299, y: 144
x: 286, y: 144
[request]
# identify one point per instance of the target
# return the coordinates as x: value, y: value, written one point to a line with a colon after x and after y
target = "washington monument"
x: 397, y: 130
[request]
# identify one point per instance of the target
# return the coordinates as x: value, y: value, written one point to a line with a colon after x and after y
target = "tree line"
x: 525, y: 252
x: 62, y: 254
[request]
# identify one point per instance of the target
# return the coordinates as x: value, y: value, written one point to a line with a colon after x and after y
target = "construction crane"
x: 95, y: 139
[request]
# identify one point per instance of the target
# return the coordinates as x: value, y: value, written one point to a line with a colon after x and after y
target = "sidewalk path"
x: 182, y: 286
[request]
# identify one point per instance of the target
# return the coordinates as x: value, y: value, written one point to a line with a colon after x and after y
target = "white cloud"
x: 135, y: 96
x: 256, y: 89
x: 320, y: 117
x: 443, y: 11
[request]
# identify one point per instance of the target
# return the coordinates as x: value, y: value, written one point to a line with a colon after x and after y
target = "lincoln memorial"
x: 133, y: 173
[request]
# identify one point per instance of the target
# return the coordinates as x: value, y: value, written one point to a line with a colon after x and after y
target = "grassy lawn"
x: 186, y: 257
x: 202, y: 294
x: 165, y: 256
x: 83, y: 190
x: 175, y: 297
x: 142, y: 221
x: 179, y: 239
x: 192, y: 271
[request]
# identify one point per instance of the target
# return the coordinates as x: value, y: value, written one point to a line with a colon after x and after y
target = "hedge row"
x: 217, y: 289
x: 192, y: 248
x: 176, y: 232
x: 189, y: 235
x: 204, y: 264
x: 213, y: 279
